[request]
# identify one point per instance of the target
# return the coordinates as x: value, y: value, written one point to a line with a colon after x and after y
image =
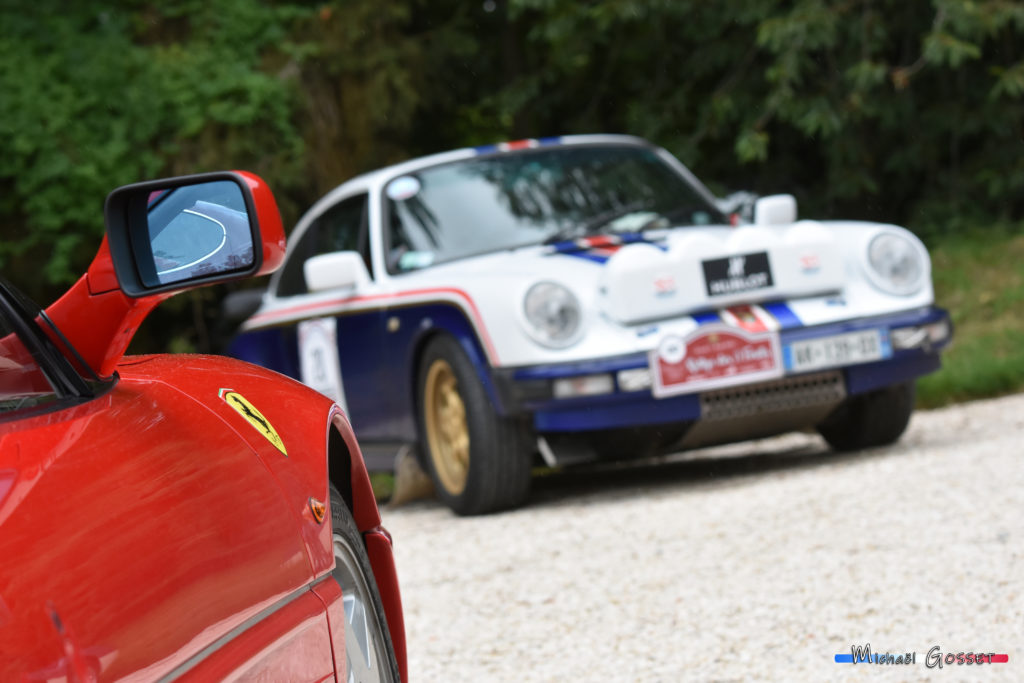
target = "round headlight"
x: 552, y: 314
x: 896, y: 263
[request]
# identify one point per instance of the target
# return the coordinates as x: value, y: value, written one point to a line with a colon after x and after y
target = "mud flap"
x: 411, y: 482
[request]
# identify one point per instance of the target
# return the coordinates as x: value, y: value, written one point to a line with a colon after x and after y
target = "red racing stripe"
x: 311, y: 308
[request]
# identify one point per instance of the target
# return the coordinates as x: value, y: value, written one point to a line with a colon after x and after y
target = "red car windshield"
x: 33, y: 369
x: 22, y: 381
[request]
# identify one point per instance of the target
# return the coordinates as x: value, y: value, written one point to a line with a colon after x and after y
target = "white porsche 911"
x: 574, y: 299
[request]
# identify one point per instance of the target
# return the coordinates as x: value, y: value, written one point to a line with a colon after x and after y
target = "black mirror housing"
x: 177, y: 233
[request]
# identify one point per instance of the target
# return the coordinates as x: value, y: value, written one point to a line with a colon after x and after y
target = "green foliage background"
x: 909, y: 111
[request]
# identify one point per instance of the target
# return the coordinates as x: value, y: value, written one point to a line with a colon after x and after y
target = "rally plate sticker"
x: 711, y: 357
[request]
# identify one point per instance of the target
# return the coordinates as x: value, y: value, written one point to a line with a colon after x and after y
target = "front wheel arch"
x: 470, y: 344
x: 339, y: 466
x: 347, y: 474
x: 368, y: 630
x: 870, y: 420
x: 478, y: 458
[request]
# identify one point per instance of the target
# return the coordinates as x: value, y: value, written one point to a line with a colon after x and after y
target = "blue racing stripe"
x: 781, y: 312
x: 706, y: 317
x: 580, y: 247
x: 596, y: 258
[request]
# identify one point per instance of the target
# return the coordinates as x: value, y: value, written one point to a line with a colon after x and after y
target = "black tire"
x: 492, y: 471
x: 370, y: 657
x: 873, y: 419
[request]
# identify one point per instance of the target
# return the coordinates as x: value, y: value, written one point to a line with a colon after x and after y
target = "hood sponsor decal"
x: 737, y: 274
x: 253, y: 417
x: 810, y: 263
x: 664, y: 286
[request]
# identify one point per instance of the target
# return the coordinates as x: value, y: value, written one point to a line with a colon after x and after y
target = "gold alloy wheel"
x: 447, y: 430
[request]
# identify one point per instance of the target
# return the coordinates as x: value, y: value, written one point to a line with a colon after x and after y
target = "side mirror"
x: 335, y: 270
x: 776, y: 209
x: 173, y: 234
x: 739, y: 203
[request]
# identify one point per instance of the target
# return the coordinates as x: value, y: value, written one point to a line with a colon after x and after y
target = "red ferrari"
x: 179, y: 517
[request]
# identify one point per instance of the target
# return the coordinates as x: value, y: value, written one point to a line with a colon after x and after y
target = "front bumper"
x: 622, y: 400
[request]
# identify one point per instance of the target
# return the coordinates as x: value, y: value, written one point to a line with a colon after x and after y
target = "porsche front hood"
x: 700, y: 269
x: 633, y: 288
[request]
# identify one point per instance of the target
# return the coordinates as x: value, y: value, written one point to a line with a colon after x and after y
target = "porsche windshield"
x: 511, y: 200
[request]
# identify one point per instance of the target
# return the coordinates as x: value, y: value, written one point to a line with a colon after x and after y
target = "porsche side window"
x: 343, y: 227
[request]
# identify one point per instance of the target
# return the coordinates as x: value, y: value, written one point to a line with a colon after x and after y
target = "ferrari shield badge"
x: 253, y: 417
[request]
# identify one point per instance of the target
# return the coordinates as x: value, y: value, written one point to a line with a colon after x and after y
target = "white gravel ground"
x: 753, y: 562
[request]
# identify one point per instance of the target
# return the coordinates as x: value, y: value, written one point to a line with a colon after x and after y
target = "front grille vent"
x: 782, y: 395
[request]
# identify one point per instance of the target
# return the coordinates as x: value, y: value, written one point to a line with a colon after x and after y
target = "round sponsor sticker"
x: 403, y: 188
x: 672, y: 350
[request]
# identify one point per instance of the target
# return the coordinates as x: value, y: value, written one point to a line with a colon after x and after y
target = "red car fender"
x: 303, y: 418
x: 284, y: 422
x: 364, y: 504
x: 382, y: 559
x: 378, y: 541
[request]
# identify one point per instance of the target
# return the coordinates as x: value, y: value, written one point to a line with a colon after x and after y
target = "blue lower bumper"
x: 528, y: 389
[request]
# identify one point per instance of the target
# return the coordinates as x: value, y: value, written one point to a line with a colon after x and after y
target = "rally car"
x: 567, y: 300
x: 179, y: 517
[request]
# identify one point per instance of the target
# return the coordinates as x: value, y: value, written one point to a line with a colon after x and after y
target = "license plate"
x: 842, y: 349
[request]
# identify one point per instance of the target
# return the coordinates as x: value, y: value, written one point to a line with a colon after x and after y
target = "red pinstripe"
x: 474, y: 312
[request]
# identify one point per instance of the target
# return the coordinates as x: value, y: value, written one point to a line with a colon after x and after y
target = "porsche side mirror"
x: 173, y: 234
x: 776, y: 209
x: 239, y: 306
x: 336, y: 270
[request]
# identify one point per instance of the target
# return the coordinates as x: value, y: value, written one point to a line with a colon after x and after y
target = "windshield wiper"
x: 664, y: 219
x: 596, y: 221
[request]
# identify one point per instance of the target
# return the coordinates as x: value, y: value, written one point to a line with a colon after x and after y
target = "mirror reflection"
x: 199, y: 230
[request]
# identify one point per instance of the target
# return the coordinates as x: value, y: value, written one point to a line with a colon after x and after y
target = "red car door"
x: 142, y: 538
